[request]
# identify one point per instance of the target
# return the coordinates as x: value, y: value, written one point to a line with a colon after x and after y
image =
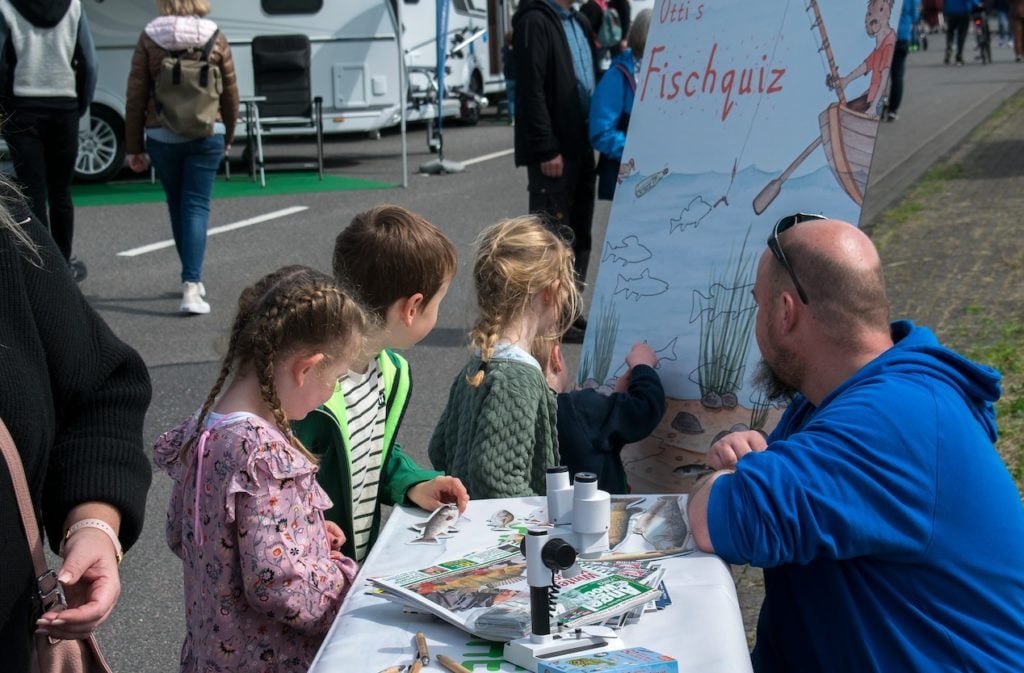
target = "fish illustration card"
x: 744, y: 112
x: 441, y: 523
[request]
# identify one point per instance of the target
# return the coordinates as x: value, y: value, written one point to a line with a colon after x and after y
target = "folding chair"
x: 281, y: 75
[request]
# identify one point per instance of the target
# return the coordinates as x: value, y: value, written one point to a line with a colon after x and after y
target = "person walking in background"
x: 904, y: 34
x: 74, y: 398
x: 264, y: 574
x: 48, y: 76
x: 554, y: 83
x: 1017, y: 23
x: 612, y: 104
x: 498, y: 432
x: 931, y: 12
x: 508, y: 68
x: 958, y: 21
x: 185, y: 165
x: 1002, y: 10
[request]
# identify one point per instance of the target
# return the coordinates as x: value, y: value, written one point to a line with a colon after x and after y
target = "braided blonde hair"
x: 516, y: 259
x: 291, y: 310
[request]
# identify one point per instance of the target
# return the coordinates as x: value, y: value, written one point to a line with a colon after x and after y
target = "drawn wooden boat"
x: 846, y: 135
x: 848, y: 138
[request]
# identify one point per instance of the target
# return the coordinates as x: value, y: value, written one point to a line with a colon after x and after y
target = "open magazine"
x: 486, y: 593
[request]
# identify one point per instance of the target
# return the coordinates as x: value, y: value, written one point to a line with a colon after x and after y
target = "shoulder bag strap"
x: 628, y: 75
x: 21, y: 491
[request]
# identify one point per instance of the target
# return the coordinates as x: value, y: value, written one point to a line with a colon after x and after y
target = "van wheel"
x: 469, y: 110
x: 100, y: 145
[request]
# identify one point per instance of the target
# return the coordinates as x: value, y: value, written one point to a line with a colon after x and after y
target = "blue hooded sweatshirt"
x: 891, y: 533
x: 909, y: 15
x: 612, y: 98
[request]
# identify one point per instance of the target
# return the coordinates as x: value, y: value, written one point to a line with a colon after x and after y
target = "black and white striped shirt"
x: 365, y: 411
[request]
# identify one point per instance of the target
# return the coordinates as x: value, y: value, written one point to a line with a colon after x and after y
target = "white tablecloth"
x: 702, y: 628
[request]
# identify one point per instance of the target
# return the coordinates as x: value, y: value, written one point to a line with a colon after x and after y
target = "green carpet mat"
x: 143, y: 191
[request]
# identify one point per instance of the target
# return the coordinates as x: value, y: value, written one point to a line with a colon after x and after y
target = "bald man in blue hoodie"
x: 890, y: 532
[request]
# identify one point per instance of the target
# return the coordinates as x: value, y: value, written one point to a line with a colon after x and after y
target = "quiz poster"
x: 744, y: 112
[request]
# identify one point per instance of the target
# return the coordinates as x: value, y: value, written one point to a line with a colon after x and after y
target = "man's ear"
x: 789, y: 311
x: 305, y: 365
x: 409, y: 307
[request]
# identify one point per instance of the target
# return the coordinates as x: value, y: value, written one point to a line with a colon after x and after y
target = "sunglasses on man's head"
x: 776, y: 247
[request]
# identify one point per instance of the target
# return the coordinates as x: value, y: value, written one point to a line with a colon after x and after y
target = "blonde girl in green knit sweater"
x: 498, y: 430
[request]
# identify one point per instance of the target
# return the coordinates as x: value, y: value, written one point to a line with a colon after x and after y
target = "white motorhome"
x: 476, y: 33
x: 355, y: 64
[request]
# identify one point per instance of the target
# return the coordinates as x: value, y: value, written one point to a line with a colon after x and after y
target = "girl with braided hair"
x: 263, y: 575
x: 498, y: 431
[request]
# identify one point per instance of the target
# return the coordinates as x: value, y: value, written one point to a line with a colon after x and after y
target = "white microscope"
x: 579, y: 515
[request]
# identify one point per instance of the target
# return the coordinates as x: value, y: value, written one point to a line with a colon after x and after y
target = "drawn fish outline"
x: 690, y: 216
x: 643, y: 285
x: 632, y: 251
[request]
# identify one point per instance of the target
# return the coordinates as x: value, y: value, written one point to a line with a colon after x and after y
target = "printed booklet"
x: 485, y: 592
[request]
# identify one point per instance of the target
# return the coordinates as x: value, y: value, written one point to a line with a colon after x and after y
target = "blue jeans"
x: 186, y: 170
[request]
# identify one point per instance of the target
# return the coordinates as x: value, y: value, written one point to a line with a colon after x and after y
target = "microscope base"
x: 528, y: 652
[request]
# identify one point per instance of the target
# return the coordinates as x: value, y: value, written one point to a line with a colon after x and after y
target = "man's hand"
x: 138, y: 162
x: 430, y: 495
x: 552, y: 168
x: 91, y: 583
x: 727, y: 451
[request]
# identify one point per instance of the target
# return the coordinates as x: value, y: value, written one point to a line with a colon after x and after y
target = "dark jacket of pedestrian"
x: 47, y: 56
x: 550, y: 119
x: 74, y: 397
x: 48, y: 76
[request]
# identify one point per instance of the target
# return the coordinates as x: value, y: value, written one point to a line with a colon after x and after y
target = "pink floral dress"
x: 261, y: 590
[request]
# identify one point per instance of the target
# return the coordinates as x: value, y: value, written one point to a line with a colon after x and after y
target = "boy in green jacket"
x: 399, y: 266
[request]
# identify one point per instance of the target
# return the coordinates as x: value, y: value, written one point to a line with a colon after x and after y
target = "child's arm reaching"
x: 288, y: 568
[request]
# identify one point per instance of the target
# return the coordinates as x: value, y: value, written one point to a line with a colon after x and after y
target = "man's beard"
x: 771, y: 384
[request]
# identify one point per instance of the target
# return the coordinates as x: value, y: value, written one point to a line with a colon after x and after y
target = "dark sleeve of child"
x: 593, y: 428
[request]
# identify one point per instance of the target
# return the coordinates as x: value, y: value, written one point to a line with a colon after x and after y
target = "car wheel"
x: 100, y: 145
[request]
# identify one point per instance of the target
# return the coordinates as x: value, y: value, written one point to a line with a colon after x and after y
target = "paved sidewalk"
x: 953, y: 252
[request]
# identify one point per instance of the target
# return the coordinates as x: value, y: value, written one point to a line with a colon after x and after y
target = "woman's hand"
x: 138, y: 162
x: 91, y: 582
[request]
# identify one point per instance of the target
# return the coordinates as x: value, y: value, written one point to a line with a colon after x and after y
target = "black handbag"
x: 49, y: 655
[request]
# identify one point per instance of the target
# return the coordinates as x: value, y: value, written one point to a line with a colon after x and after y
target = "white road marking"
x: 284, y: 212
x: 487, y: 157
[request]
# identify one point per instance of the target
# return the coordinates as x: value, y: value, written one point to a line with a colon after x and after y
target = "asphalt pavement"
x: 139, y: 295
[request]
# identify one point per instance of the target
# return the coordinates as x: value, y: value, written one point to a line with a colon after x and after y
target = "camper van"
x: 476, y: 33
x: 355, y: 64
x: 355, y: 61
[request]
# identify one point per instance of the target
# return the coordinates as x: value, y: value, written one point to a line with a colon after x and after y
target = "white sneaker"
x: 192, y: 299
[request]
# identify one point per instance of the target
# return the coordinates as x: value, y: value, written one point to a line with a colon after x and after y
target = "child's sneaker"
x: 192, y: 299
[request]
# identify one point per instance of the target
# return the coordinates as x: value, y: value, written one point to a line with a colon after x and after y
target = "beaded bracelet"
x: 101, y: 525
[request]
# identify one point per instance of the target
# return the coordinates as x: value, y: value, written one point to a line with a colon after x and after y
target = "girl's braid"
x: 225, y: 370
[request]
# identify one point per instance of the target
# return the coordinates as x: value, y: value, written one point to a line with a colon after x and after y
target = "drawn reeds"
x: 759, y: 411
x: 726, y: 325
x: 598, y: 363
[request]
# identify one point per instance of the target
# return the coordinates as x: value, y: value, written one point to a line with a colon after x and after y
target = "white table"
x: 702, y: 628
